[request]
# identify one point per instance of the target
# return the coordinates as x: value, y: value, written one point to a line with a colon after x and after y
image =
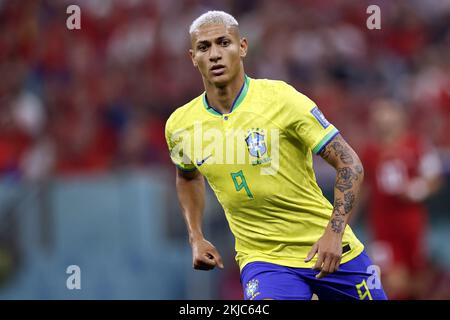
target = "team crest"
x: 256, y: 143
x: 251, y: 289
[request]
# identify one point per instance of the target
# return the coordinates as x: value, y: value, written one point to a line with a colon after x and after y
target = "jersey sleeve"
x: 176, y: 144
x: 305, y: 121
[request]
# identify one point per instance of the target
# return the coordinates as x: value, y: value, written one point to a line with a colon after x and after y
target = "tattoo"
x: 338, y: 203
x: 338, y: 212
x: 337, y: 224
x: 338, y: 206
x: 340, y: 149
x: 349, y: 199
x: 344, y: 179
x: 325, y: 153
x: 342, y: 152
x: 359, y: 169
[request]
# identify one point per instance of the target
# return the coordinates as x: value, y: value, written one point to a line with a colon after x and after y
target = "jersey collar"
x: 237, y: 101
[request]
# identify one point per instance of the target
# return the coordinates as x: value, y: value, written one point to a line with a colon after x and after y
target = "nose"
x: 215, y: 54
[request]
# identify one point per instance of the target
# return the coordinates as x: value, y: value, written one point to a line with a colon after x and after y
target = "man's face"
x: 388, y: 119
x: 217, y: 52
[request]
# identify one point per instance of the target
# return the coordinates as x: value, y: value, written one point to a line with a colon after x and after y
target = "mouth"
x: 217, y: 69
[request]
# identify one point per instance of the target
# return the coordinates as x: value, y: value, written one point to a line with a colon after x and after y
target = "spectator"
x: 402, y: 171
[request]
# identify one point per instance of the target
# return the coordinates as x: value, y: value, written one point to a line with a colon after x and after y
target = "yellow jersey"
x: 258, y: 161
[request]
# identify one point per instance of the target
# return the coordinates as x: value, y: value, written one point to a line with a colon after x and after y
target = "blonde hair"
x: 213, y: 17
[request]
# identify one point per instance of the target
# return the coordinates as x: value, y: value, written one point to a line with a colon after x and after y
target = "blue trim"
x: 326, y: 143
x: 208, y: 106
x: 239, y: 94
x: 213, y: 110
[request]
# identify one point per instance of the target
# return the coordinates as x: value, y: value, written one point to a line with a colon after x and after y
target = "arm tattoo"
x: 342, y: 152
x: 359, y: 169
x: 337, y: 224
x: 325, y: 153
x: 338, y: 203
x: 341, y: 208
x: 339, y: 149
x: 349, y: 199
x: 338, y: 207
x: 344, y: 179
x: 349, y: 176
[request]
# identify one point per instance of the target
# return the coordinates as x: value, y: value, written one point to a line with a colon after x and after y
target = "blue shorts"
x: 356, y: 279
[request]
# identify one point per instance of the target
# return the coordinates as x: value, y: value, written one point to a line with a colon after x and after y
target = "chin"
x: 221, y: 80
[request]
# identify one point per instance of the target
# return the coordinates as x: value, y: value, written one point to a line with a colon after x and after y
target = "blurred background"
x: 85, y: 176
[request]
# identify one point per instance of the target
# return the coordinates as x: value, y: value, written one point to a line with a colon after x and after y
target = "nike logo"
x: 199, y: 163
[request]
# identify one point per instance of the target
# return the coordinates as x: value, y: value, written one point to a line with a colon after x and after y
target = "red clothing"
x: 13, y: 144
x: 396, y: 221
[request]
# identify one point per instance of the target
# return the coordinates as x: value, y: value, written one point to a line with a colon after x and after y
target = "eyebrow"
x: 216, y: 40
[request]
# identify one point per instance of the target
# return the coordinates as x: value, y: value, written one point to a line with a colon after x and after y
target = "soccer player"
x: 253, y: 139
x: 403, y: 170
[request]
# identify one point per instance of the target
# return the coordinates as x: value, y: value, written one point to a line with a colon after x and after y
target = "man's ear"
x: 243, y: 48
x: 191, y: 54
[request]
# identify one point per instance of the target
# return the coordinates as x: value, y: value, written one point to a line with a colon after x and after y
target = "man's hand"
x: 205, y: 256
x: 329, y: 247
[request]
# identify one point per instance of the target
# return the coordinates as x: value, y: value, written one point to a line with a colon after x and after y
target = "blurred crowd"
x: 96, y: 99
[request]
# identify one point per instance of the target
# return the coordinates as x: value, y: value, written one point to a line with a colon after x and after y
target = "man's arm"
x: 349, y: 177
x: 429, y: 178
x: 191, y: 194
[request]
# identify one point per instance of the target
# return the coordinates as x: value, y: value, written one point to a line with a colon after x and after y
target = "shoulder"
x: 269, y: 86
x: 182, y: 115
x: 282, y: 91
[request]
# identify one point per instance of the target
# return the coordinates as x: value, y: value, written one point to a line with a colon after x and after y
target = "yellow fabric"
x: 268, y: 189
